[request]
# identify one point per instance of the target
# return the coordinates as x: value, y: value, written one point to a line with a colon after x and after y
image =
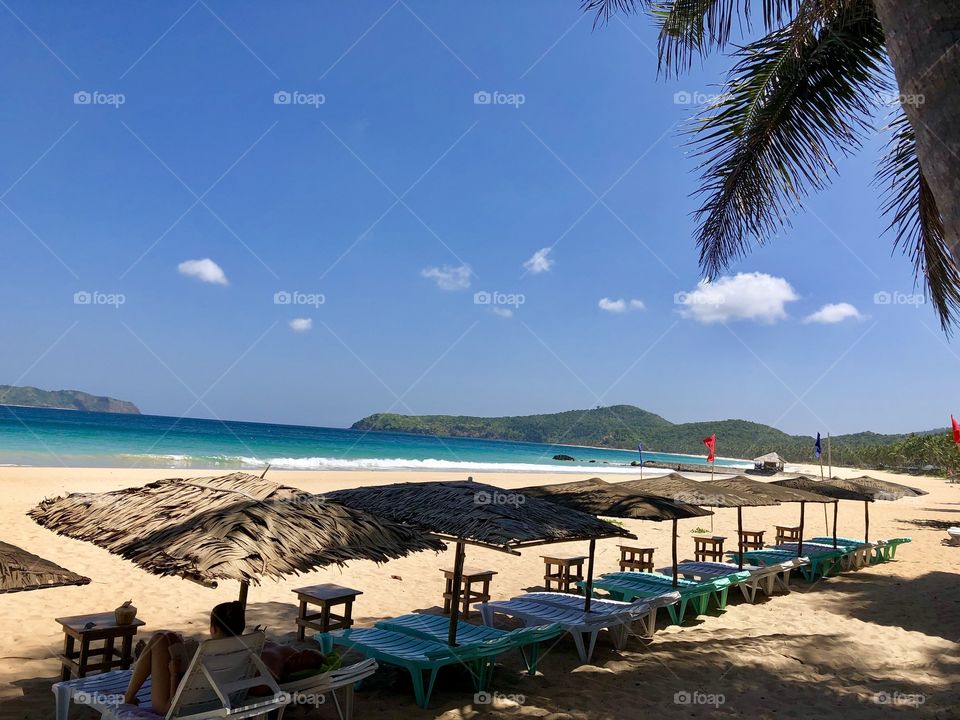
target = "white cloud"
x: 205, y: 270
x: 834, y: 313
x: 539, y: 262
x: 301, y: 324
x: 744, y: 296
x: 449, y: 278
x: 503, y: 312
x: 621, y: 305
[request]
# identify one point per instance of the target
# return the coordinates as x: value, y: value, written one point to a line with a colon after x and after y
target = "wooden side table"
x: 787, y: 534
x: 751, y: 539
x: 708, y: 548
x: 564, y: 570
x: 326, y: 596
x: 636, y: 558
x: 102, y: 629
x: 474, y: 588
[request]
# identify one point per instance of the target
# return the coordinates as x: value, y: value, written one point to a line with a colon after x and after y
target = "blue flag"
x: 816, y: 448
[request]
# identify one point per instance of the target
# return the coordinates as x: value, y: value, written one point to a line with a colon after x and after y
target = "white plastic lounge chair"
x: 616, y: 618
x: 319, y: 685
x: 762, y: 578
x: 954, y: 534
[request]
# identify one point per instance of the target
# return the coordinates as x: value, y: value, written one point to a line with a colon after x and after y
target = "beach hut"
x: 842, y: 490
x: 597, y: 497
x: 21, y: 570
x: 771, y: 462
x: 236, y: 527
x: 472, y: 513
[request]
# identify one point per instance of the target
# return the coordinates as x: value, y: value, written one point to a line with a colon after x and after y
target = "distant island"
x: 63, y: 400
x: 624, y: 426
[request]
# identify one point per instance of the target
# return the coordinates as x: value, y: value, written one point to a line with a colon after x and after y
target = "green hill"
x: 63, y: 400
x: 623, y: 426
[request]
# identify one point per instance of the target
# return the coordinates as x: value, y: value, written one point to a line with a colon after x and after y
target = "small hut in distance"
x: 769, y: 463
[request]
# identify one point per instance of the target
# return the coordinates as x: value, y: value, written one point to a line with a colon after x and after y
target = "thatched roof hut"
x: 770, y: 461
x: 597, y: 497
x: 694, y: 492
x: 236, y: 527
x: 21, y: 570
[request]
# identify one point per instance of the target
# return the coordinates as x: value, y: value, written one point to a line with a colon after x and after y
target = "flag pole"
x: 829, y: 455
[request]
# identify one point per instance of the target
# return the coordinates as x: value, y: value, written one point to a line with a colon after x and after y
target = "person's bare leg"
x: 161, y: 690
x: 143, y: 668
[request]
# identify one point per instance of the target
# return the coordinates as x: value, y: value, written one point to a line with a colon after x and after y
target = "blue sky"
x: 389, y: 190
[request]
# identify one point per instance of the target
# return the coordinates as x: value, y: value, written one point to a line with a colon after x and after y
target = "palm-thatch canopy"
x: 694, y: 492
x: 890, y: 490
x: 597, y: 497
x: 771, y: 491
x: 770, y: 457
x: 827, y: 488
x: 236, y: 527
x: 477, y: 513
x: 21, y: 570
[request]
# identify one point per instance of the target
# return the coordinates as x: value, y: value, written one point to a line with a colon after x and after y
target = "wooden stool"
x: 751, y: 539
x: 103, y: 628
x: 636, y: 558
x: 327, y: 596
x: 708, y: 548
x: 468, y: 593
x: 568, y: 572
x: 786, y: 534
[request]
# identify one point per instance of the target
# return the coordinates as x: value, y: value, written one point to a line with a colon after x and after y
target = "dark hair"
x: 229, y: 617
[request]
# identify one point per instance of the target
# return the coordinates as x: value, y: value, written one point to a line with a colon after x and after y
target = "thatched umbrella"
x: 895, y: 491
x: 597, y: 497
x: 21, y: 570
x: 777, y: 493
x: 694, y: 492
x: 472, y: 513
x: 842, y: 490
x: 236, y: 527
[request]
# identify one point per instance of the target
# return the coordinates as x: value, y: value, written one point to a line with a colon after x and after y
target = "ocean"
x: 45, y: 437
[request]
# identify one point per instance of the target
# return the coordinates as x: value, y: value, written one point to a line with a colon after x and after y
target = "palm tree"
x: 807, y: 89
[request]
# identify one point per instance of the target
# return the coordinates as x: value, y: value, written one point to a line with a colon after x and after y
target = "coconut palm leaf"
x: 915, y: 219
x: 793, y: 96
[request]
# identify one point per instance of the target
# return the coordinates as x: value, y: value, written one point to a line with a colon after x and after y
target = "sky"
x: 312, y: 211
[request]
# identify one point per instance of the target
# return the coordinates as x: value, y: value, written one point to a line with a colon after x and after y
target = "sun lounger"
x: 769, y: 557
x: 954, y: 535
x: 435, y: 628
x: 418, y: 656
x: 584, y: 627
x: 825, y: 560
x: 750, y: 580
x: 215, y: 685
x: 857, y: 554
x: 602, y: 606
x: 632, y: 585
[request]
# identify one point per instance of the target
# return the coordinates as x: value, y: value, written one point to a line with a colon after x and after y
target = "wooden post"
x: 459, y: 554
x: 800, y: 539
x: 588, y: 589
x: 829, y: 455
x: 740, y: 534
x: 836, y: 504
x: 675, y: 568
x: 866, y: 521
x: 244, y: 589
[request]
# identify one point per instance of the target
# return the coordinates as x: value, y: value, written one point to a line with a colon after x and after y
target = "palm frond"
x: 603, y: 10
x: 793, y: 97
x: 917, y: 222
x: 692, y: 28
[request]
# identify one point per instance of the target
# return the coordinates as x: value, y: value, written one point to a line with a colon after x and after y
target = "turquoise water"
x: 34, y: 436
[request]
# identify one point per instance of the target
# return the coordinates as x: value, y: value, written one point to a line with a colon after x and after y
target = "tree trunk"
x: 923, y: 41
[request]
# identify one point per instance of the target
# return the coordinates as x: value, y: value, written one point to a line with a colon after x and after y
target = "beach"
x: 863, y: 644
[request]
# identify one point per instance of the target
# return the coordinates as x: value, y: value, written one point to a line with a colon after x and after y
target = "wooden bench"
x: 751, y: 539
x: 474, y: 588
x: 326, y: 596
x: 639, y: 559
x: 564, y: 570
x: 709, y: 548
x: 787, y: 534
x: 98, y: 628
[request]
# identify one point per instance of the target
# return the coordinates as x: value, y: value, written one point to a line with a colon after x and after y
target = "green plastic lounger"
x: 825, y: 560
x: 750, y: 580
x: 883, y: 549
x: 873, y: 550
x: 584, y: 627
x: 434, y: 627
x: 768, y: 557
x: 632, y: 585
x: 416, y: 655
x: 857, y: 554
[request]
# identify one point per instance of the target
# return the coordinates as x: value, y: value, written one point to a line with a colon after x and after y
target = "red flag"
x: 711, y: 443
x: 956, y: 430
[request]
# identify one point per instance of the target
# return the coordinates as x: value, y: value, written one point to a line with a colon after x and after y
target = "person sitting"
x: 167, y: 655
